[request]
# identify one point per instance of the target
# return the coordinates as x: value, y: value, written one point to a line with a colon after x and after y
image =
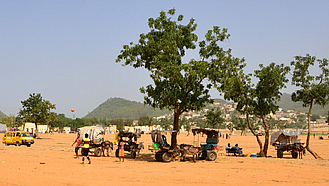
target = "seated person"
x: 228, y: 146
x: 130, y: 141
x: 238, y: 149
x: 164, y: 140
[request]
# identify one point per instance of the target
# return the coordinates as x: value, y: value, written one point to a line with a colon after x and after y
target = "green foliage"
x: 200, y: 123
x: 186, y: 124
x: 8, y: 120
x: 258, y: 100
x: 165, y: 123
x: 287, y: 104
x: 145, y: 121
x: 239, y: 124
x: 37, y: 110
x: 176, y: 86
x: 313, y: 89
x: 116, y: 108
x: 214, y: 119
x: 60, y: 122
x: 2, y: 115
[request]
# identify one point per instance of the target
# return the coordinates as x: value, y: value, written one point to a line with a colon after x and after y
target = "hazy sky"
x: 66, y: 50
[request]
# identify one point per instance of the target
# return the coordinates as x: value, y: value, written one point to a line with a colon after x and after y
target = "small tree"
x: 259, y: 100
x: 37, y: 110
x: 144, y: 121
x: 214, y: 119
x: 313, y: 89
x: 239, y: 124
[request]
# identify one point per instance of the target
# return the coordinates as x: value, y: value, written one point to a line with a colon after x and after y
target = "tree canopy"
x: 37, y: 110
x: 313, y: 89
x: 178, y: 86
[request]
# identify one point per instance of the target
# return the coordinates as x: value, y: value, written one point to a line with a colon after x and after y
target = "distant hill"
x: 2, y: 114
x: 286, y: 104
x: 117, y: 108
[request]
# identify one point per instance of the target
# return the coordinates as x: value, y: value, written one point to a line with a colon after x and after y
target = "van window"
x: 25, y: 134
x: 18, y: 134
x: 10, y: 134
x: 14, y: 134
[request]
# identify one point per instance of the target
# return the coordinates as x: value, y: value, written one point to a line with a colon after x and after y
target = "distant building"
x: 66, y: 130
x: 29, y: 127
x: 3, y: 127
x: 43, y: 129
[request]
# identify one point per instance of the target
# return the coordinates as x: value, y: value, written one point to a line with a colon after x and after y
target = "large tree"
x: 313, y: 89
x: 178, y: 86
x: 37, y: 110
x: 258, y: 100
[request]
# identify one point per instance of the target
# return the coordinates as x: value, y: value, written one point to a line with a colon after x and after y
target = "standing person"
x: 78, y: 145
x: 121, y: 150
x: 85, y: 148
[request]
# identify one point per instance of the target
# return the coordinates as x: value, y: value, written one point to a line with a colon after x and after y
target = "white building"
x: 29, y: 127
x: 43, y: 129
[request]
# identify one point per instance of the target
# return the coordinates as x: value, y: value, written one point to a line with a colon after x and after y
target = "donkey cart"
x: 163, y: 151
x: 209, y: 148
x: 287, y: 140
x: 130, y: 140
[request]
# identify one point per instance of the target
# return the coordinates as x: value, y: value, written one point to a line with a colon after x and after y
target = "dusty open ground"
x: 50, y: 161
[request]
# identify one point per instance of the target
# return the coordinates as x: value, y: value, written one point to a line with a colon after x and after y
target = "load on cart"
x: 95, y: 134
x: 287, y: 140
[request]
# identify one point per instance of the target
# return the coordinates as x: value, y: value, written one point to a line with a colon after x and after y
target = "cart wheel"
x: 279, y: 153
x: 167, y: 157
x: 212, y: 156
x: 17, y: 143
x: 98, y: 152
x: 28, y: 145
x: 203, y: 155
x: 133, y: 155
x: 158, y: 156
x: 294, y: 154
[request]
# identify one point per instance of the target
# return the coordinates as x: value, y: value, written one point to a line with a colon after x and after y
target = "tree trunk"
x: 257, y: 137
x: 315, y: 155
x: 176, y: 128
x: 267, y: 136
x: 36, y: 131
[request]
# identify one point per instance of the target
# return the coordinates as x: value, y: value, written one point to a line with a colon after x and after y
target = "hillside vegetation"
x: 287, y: 104
x: 117, y: 108
x: 2, y: 114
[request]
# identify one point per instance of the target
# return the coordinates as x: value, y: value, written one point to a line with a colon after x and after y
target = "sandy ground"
x: 50, y: 161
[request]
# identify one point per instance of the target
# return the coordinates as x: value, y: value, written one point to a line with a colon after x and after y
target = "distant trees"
x: 214, y: 119
x: 145, y: 121
x: 37, y: 110
x: 239, y: 124
x: 313, y: 89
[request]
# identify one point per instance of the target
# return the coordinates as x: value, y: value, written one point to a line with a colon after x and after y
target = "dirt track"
x: 50, y: 161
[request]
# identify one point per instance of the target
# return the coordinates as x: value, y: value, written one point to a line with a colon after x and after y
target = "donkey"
x: 140, y: 146
x: 107, y: 145
x: 190, y: 150
x: 301, y: 152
